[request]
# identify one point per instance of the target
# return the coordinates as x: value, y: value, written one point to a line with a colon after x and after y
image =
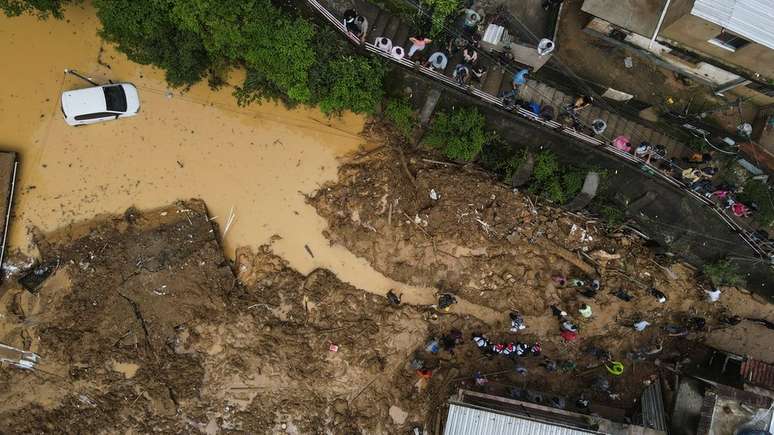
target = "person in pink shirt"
x: 418, y: 43
x: 623, y: 144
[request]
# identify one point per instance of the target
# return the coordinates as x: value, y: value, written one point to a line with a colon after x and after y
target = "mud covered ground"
x: 498, y: 248
x: 142, y: 328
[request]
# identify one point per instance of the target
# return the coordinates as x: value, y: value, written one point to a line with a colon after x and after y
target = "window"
x: 115, y: 98
x: 96, y: 115
x: 728, y: 41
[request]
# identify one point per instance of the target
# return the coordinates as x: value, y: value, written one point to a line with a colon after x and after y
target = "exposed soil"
x: 497, y: 248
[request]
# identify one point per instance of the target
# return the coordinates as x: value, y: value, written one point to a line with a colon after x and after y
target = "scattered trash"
x: 230, y: 220
x: 18, y: 358
x: 435, y: 196
x: 628, y: 62
x: 641, y: 325
x: 32, y: 280
x: 333, y: 347
x: 309, y: 251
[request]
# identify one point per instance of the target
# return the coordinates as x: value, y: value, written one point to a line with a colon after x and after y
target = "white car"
x: 100, y: 103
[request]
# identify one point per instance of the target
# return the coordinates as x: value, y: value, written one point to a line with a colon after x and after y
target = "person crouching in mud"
x: 445, y: 301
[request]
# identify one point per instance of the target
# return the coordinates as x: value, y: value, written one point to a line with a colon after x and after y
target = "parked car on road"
x: 100, y: 103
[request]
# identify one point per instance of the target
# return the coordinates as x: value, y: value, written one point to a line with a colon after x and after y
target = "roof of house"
x: 758, y: 373
x: 464, y: 420
x: 751, y: 19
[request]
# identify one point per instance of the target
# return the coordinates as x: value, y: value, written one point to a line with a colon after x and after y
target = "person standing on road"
x: 418, y: 43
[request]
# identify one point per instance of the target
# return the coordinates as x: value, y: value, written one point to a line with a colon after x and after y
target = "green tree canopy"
x: 460, y: 133
x: 41, y: 8
x: 284, y: 54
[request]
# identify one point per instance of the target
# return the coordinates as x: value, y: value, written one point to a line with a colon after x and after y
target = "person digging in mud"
x: 588, y: 292
x: 451, y: 340
x: 549, y: 364
x: 559, y: 280
x: 558, y: 313
x: 623, y: 295
x: 568, y: 331
x: 536, y: 349
x: 585, y: 311
x: 713, y: 295
x: 517, y: 322
x: 659, y: 295
x: 392, y: 298
x: 445, y: 301
x: 578, y: 283
x: 482, y: 343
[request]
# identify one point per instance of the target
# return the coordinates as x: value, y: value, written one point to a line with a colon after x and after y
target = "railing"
x: 526, y: 114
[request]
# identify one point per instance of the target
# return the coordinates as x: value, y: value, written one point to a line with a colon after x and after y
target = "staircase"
x: 498, y: 79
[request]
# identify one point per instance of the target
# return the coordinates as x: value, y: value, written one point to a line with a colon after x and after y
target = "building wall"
x: 693, y: 33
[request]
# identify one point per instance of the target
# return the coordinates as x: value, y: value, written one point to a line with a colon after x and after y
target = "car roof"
x: 83, y: 101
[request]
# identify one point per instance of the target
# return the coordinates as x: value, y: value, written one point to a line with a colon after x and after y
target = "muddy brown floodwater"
x: 260, y: 160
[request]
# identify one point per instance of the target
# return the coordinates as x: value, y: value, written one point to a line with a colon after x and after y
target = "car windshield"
x: 115, y: 98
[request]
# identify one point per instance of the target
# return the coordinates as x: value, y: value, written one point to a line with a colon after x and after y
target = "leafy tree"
x: 401, y: 114
x: 759, y: 194
x: 41, y: 8
x: 460, y: 134
x: 285, y: 55
x: 441, y: 11
x: 355, y: 83
x: 148, y: 34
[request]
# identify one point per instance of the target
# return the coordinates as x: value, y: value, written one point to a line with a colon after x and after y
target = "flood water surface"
x: 253, y: 163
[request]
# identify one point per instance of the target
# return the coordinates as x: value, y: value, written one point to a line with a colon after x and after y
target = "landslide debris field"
x: 144, y: 326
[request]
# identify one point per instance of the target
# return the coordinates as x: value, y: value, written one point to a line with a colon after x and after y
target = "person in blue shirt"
x: 520, y: 78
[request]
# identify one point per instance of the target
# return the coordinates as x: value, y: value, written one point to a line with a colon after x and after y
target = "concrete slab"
x: 639, y: 16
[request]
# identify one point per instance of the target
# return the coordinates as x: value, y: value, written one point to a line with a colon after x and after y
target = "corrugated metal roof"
x: 653, y: 415
x: 752, y: 19
x: 758, y: 373
x: 463, y: 420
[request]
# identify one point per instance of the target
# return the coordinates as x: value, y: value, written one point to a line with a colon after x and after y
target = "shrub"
x: 759, y: 194
x: 355, y: 83
x: 613, y: 216
x: 459, y: 134
x: 400, y: 113
x: 723, y: 272
x: 553, y: 181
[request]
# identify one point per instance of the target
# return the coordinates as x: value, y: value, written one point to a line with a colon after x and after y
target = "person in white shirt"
x: 713, y: 295
x: 384, y: 44
x: 437, y: 61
